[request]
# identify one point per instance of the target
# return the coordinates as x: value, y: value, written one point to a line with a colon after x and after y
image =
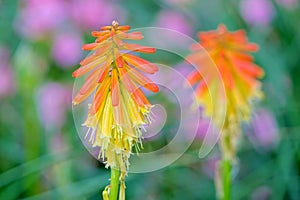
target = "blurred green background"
x: 41, y: 155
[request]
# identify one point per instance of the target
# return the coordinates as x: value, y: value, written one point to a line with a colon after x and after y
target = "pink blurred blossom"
x: 257, y: 12
x: 37, y: 18
x: 210, y: 165
x: 261, y: 193
x: 66, y: 49
x: 176, y: 84
x: 58, y: 143
x: 178, y: 3
x: 288, y: 3
x: 7, y: 85
x: 92, y: 14
x: 264, y: 129
x: 53, y: 101
x: 205, y: 126
x: 7, y: 82
x: 173, y: 20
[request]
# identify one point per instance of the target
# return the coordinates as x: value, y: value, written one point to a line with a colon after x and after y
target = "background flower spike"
x: 237, y: 75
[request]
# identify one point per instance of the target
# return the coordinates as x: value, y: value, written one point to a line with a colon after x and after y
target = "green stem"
x: 226, y: 179
x: 114, y: 184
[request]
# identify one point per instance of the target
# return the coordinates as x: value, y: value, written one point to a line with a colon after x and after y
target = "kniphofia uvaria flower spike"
x: 238, y: 74
x: 119, y: 109
x: 235, y: 84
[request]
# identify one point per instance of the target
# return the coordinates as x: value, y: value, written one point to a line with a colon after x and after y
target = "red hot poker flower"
x: 230, y: 51
x: 119, y: 109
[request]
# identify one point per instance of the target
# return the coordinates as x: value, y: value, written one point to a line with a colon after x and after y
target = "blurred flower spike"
x: 233, y: 86
x: 238, y: 74
x: 119, y: 110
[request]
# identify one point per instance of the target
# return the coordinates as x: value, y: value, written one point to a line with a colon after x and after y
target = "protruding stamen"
x: 115, y: 24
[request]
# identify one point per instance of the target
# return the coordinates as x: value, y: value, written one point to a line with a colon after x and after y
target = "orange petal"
x: 81, y: 97
x: 99, y: 33
x: 88, y: 67
x: 196, y: 47
x: 227, y: 69
x: 102, y: 49
x: 201, y: 60
x: 251, y: 69
x: 247, y: 80
x: 106, y: 68
x: 115, y: 89
x: 119, y: 59
x: 90, y: 80
x: 88, y: 87
x: 140, y: 63
x: 201, y: 88
x: 222, y: 28
x: 131, y: 36
x: 124, y: 28
x: 227, y: 78
x: 194, y: 77
x: 96, y: 55
x: 92, y: 59
x: 90, y: 46
x: 143, y: 80
x: 140, y: 98
x: 239, y: 36
x: 118, y: 41
x: 139, y: 48
x: 102, y: 38
x: 100, y: 96
x: 209, y: 35
x: 129, y: 85
x: 120, y: 62
x: 247, y: 67
x: 242, y: 56
x: 104, y: 72
x: 88, y: 60
x: 246, y: 47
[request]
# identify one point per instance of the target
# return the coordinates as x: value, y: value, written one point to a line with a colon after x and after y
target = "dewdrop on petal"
x: 119, y: 109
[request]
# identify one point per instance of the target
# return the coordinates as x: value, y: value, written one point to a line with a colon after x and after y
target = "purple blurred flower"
x: 4, y: 54
x: 261, y: 193
x: 178, y: 3
x: 53, y: 100
x: 264, y: 130
x: 209, y: 166
x: 257, y: 12
x: 7, y: 85
x: 66, y: 49
x: 37, y: 18
x: 288, y: 3
x: 7, y: 82
x: 58, y: 143
x: 177, y: 85
x: 173, y: 20
x: 205, y: 126
x: 92, y: 14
